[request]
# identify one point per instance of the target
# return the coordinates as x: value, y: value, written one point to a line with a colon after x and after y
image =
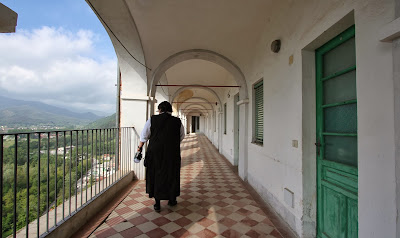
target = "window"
x: 225, y: 118
x: 259, y: 112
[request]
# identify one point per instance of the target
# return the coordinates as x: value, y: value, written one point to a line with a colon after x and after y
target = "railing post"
x: 48, y: 181
x: 38, y: 205
x: 82, y: 171
x: 15, y: 185
x: 27, y: 184
x: 91, y: 171
x: 55, y: 178
x: 63, y: 197
x: 119, y: 149
x: 70, y: 173
x: 76, y: 171
x: 1, y: 182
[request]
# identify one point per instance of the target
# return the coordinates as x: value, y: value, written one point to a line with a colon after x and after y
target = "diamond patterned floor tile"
x: 213, y: 203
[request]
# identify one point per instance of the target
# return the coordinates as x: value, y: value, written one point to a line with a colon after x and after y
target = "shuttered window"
x: 259, y: 112
x: 225, y: 118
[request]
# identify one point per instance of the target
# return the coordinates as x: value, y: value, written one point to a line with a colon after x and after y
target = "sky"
x: 60, y: 54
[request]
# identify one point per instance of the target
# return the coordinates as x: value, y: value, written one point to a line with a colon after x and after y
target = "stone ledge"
x: 85, y: 215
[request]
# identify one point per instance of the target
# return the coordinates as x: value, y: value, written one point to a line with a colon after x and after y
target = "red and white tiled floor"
x: 213, y: 203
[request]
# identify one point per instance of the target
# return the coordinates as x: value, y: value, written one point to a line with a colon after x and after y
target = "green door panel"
x: 337, y: 160
x: 334, y: 207
x: 340, y: 179
x: 352, y: 218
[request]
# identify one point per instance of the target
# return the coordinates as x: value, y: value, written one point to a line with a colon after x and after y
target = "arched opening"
x: 201, y: 54
x: 186, y: 74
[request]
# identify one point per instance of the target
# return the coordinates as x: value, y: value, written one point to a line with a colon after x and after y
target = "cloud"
x: 57, y: 67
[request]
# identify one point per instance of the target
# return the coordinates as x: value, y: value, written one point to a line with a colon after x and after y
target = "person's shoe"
x: 172, y: 203
x: 157, y: 207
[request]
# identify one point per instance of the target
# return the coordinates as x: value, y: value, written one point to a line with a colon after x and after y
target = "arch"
x: 202, y: 54
x: 238, y: 76
x: 192, y: 86
x: 197, y: 105
x: 199, y: 98
x: 194, y: 110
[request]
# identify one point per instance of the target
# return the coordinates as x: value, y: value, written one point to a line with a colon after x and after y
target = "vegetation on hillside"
x: 106, y: 122
x: 53, y: 170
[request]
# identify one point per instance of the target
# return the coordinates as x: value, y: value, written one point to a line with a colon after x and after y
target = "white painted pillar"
x: 243, y: 139
x: 396, y: 81
x: 210, y: 128
x: 134, y: 114
x: 220, y: 114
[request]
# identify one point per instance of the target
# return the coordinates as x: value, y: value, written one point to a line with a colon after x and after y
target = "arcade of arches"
x: 326, y: 117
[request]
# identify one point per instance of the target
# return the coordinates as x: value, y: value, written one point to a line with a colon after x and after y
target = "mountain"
x: 14, y: 113
x: 106, y: 122
x: 9, y: 103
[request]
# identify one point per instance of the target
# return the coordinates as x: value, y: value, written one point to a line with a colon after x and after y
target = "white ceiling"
x: 199, y: 72
x: 228, y: 27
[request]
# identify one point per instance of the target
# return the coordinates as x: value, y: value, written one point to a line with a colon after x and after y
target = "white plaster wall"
x: 163, y: 94
x: 215, y: 129
x: 133, y: 81
x: 228, y: 138
x: 189, y: 124
x: 276, y: 164
x: 202, y: 124
x: 376, y: 175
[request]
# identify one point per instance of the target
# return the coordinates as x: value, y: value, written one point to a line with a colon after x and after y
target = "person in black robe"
x: 163, y: 156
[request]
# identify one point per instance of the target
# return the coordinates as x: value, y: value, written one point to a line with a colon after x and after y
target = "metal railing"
x: 46, y: 177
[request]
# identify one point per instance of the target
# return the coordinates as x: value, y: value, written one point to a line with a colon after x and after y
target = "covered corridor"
x: 302, y: 98
x: 213, y: 202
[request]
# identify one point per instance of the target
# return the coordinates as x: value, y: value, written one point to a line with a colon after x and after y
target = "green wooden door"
x: 337, y: 173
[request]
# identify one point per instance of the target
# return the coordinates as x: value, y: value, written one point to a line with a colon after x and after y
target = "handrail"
x: 48, y: 176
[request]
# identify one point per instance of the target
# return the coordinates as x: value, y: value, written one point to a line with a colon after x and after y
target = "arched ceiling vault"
x: 207, y: 93
x: 196, y: 106
x: 205, y: 55
x: 168, y: 27
x: 196, y: 100
x: 161, y: 34
x: 194, y: 110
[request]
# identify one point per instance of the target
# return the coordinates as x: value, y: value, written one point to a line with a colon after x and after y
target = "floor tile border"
x: 87, y: 229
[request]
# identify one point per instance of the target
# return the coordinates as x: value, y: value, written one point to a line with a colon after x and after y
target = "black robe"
x: 163, y: 158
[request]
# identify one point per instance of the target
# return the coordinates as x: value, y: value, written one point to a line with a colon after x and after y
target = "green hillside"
x: 29, y: 116
x: 105, y: 122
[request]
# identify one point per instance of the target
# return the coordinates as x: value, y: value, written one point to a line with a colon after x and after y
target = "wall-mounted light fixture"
x: 276, y: 46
